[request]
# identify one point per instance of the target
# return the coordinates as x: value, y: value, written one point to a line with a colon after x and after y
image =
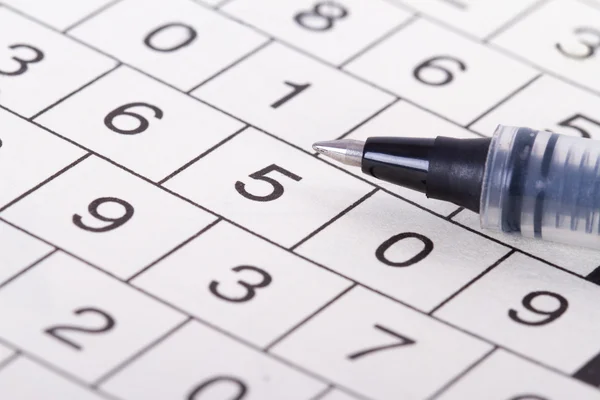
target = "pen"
x: 533, y: 183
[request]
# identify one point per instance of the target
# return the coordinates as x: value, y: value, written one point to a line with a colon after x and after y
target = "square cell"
x: 530, y: 307
x: 441, y: 70
x: 108, y: 217
x: 402, y: 251
x: 206, y: 361
x: 381, y: 349
x: 38, y: 66
x: 181, y: 43
x: 562, y: 36
x: 331, y: 30
x: 78, y: 318
x: 269, y: 187
x: 292, y: 96
x: 139, y: 123
x: 241, y: 283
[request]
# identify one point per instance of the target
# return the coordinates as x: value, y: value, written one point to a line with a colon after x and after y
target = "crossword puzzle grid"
x: 168, y: 233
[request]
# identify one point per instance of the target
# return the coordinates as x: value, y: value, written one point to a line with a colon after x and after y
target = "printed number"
x: 114, y: 222
x: 190, y: 33
x: 38, y: 56
x: 297, y: 89
x: 242, y: 389
x: 528, y: 397
x: 446, y: 77
x: 250, y: 287
x: 322, y: 17
x: 1, y: 143
x: 427, y: 248
x: 527, y: 302
x: 109, y: 323
x: 261, y: 176
x: 109, y: 120
x: 404, y: 341
x: 591, y: 46
x: 571, y: 123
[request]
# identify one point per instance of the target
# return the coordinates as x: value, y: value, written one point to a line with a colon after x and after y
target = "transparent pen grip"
x: 542, y: 184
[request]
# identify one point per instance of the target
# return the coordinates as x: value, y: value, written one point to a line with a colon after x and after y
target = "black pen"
x: 533, y: 183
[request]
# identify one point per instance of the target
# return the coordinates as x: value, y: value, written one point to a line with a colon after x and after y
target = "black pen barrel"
x: 443, y: 168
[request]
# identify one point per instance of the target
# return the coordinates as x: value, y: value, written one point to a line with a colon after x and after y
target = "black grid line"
x: 281, y: 337
x: 323, y: 393
x: 49, y: 179
x: 98, y: 382
x: 58, y: 371
x: 91, y: 15
x: 9, y: 360
x: 332, y: 220
x: 232, y: 65
x: 462, y: 374
x: 472, y: 281
x: 59, y: 101
x: 379, y: 40
x: 505, y: 99
x: 189, y: 163
x: 516, y: 19
x: 204, y: 154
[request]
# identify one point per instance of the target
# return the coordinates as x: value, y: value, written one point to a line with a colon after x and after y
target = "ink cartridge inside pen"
x: 534, y: 183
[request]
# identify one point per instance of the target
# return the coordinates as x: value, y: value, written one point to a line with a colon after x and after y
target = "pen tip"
x: 346, y: 151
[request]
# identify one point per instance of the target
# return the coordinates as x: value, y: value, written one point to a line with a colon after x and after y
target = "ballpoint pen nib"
x: 346, y: 151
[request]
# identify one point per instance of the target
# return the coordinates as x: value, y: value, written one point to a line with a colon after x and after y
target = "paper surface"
x: 167, y: 231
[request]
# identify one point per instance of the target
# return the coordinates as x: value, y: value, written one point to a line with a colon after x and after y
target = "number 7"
x: 404, y: 341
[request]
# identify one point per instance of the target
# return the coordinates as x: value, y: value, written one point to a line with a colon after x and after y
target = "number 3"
x: 250, y: 287
x: 23, y: 64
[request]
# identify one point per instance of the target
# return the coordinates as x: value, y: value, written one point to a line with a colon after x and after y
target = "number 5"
x: 571, y: 123
x: 261, y: 176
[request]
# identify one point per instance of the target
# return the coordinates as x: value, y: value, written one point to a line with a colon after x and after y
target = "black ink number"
x: 296, y: 90
x: 191, y: 35
x: 114, y: 222
x: 571, y: 122
x: 427, y: 249
x: 261, y: 176
x: 265, y: 281
x: 591, y: 46
x: 528, y: 397
x: 38, y: 56
x: 446, y: 77
x: 404, y: 341
x: 322, y: 17
x: 109, y: 324
x: 109, y: 120
x: 242, y: 389
x: 552, y: 315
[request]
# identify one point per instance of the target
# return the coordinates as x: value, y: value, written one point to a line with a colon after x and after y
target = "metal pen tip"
x: 346, y: 151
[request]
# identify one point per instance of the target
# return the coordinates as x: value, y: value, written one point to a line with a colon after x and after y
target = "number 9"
x: 527, y: 302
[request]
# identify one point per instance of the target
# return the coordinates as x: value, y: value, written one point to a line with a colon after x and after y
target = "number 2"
x: 109, y: 323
